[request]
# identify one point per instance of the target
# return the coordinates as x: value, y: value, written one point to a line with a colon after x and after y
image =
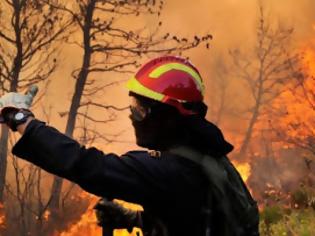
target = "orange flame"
x: 298, y: 124
x: 2, y: 217
x: 244, y: 170
x: 46, y: 215
x: 85, y: 226
x: 309, y: 60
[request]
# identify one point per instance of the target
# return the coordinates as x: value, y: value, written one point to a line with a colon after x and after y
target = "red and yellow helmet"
x: 171, y: 80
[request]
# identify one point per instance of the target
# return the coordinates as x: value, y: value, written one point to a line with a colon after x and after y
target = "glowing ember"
x: 46, y: 215
x: 2, y: 217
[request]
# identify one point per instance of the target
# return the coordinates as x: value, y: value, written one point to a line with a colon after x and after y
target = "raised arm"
x: 109, y: 175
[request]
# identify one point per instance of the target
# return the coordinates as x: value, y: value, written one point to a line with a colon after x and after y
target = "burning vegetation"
x: 284, y: 181
x: 273, y: 127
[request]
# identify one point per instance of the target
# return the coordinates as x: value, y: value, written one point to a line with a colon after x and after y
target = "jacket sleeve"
x: 108, y: 175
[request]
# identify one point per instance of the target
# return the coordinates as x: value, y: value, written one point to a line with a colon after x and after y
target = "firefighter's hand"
x: 113, y: 215
x: 17, y: 100
x: 14, y: 108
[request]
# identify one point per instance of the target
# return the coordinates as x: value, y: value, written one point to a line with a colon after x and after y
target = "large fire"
x: 299, y: 122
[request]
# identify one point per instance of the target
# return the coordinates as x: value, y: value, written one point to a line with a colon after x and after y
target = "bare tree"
x: 28, y: 31
x: 265, y: 71
x: 111, y: 46
x: 27, y: 199
x: 218, y: 97
x: 26, y: 205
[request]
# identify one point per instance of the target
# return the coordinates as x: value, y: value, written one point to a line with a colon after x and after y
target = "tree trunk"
x: 254, y: 117
x: 75, y: 102
x: 3, y: 159
x: 249, y: 131
x: 221, y: 106
x: 15, y: 72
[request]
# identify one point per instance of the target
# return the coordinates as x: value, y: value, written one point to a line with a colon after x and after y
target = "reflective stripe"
x: 135, y: 86
x: 156, y: 73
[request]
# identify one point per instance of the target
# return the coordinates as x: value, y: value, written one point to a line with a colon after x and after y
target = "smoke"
x: 232, y: 24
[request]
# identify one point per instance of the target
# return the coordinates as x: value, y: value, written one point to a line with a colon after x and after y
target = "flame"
x: 244, y: 170
x: 2, y: 217
x: 46, y: 215
x: 85, y: 226
x: 309, y: 60
x: 298, y: 124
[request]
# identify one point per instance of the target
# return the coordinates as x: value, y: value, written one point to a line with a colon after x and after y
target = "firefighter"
x: 186, y: 183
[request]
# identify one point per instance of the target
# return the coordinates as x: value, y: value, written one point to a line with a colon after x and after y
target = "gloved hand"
x: 112, y: 214
x: 19, y: 100
x: 14, y: 107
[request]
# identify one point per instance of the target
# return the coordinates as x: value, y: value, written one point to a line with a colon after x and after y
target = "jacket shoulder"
x: 136, y: 153
x: 145, y: 154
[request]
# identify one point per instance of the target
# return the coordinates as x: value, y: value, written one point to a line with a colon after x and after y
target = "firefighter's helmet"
x: 169, y: 79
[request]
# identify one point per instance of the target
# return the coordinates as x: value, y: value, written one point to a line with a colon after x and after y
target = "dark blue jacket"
x: 170, y: 187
